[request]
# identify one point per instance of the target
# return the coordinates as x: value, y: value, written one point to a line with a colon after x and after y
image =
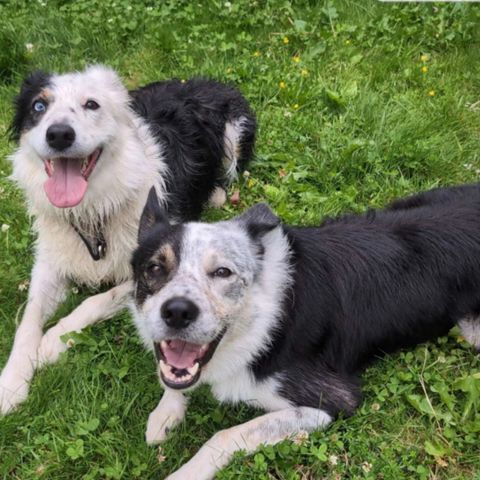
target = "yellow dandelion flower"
x: 250, y: 183
x: 432, y: 93
x: 424, y: 69
x: 348, y: 42
x: 256, y: 53
x: 229, y: 70
x: 282, y: 84
x: 295, y: 106
x: 424, y: 57
x: 296, y: 58
x: 304, y: 72
x: 286, y: 40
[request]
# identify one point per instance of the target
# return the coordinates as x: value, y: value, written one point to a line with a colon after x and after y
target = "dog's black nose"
x: 179, y: 312
x: 60, y: 136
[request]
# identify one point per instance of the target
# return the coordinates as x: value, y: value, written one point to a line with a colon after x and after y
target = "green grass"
x: 347, y: 121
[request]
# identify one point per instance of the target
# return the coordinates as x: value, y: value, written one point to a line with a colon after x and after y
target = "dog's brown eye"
x: 222, y: 272
x: 154, y: 269
x: 91, y: 105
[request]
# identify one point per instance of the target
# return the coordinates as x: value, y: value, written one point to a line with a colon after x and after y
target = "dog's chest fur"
x: 70, y: 256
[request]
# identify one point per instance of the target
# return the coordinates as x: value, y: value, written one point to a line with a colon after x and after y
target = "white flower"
x: 23, y: 285
x: 333, y: 459
x: 29, y: 47
x: 227, y: 5
x: 366, y: 467
x: 5, y: 228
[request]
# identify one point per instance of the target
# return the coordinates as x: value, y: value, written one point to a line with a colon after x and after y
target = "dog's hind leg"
x: 238, y: 142
x: 470, y: 327
x: 264, y: 430
x: 46, y: 291
x: 92, y: 310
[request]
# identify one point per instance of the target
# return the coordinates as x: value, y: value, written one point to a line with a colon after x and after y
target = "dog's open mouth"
x: 180, y: 362
x: 68, y: 178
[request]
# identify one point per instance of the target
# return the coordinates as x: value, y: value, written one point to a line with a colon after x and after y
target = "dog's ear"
x: 259, y: 220
x: 152, y: 215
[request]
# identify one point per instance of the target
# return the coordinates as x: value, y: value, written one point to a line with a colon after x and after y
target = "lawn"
x: 358, y: 102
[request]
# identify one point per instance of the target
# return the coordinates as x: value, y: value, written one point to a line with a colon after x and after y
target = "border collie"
x: 284, y: 318
x: 89, y: 151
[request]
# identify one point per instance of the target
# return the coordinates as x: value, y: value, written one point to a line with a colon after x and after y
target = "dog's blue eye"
x: 39, y: 106
x: 222, y: 272
x: 91, y: 105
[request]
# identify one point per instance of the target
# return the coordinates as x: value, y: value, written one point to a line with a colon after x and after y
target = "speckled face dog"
x: 284, y: 318
x: 196, y: 282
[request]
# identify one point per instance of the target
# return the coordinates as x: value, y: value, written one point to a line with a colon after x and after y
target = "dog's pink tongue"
x: 181, y: 354
x: 66, y: 187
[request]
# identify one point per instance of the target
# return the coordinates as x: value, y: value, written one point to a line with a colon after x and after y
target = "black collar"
x: 95, y: 242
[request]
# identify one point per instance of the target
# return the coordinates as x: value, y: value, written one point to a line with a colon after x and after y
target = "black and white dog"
x: 284, y: 318
x: 89, y: 152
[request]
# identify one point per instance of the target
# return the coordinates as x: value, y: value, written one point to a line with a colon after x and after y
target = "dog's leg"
x: 267, y: 430
x: 470, y: 327
x: 169, y: 412
x: 46, y: 291
x: 93, y: 309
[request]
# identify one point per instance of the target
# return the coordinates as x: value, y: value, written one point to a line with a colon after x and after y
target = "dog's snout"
x: 60, y: 136
x: 179, y: 312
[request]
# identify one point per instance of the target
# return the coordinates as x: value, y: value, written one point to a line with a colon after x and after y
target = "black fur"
x: 371, y: 284
x: 189, y: 120
x: 25, y: 117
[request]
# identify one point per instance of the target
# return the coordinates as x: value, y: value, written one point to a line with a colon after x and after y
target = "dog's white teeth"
x: 204, y: 348
x: 164, y: 367
x: 193, y: 370
x: 163, y: 344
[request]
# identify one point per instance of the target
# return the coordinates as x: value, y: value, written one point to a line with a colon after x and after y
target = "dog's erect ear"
x: 259, y: 220
x: 152, y: 215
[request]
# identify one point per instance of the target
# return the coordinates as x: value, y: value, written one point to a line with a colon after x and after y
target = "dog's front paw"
x: 161, y: 421
x: 13, y: 391
x: 51, y: 347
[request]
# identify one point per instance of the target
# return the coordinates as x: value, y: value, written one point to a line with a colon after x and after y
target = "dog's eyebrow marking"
x: 46, y: 94
x: 166, y: 255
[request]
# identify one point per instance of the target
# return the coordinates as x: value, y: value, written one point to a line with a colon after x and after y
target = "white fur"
x: 130, y: 164
x: 169, y: 412
x: 218, y: 197
x: 470, y: 328
x: 232, y: 135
